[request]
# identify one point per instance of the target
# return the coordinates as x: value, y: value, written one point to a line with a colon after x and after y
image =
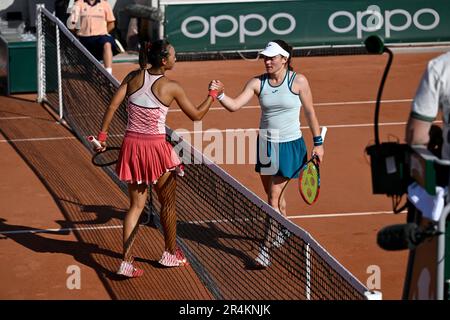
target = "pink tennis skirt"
x: 144, y: 158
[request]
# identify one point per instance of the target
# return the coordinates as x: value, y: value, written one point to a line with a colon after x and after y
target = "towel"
x: 430, y: 206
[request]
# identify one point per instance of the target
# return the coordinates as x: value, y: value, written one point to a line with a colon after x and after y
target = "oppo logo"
x: 376, y: 19
x: 237, y: 26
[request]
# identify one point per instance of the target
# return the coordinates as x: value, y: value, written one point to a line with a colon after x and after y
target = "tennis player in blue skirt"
x: 281, y: 149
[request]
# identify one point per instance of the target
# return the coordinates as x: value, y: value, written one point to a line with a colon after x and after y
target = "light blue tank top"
x: 280, y: 110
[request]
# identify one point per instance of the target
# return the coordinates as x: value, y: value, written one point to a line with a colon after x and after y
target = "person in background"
x: 433, y: 93
x: 144, y: 23
x: 92, y: 21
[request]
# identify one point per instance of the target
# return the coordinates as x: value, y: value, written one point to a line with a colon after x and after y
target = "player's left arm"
x: 301, y: 85
x: 116, y: 101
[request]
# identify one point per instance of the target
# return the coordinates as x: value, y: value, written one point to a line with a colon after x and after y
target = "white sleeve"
x: 425, y: 105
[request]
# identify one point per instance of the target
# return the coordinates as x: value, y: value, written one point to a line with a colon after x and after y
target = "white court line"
x: 356, y: 125
x: 14, y: 118
x: 223, y: 130
x: 361, y: 102
x: 328, y: 215
x: 59, y: 230
x: 38, y: 139
x: 334, y: 215
x: 319, y: 104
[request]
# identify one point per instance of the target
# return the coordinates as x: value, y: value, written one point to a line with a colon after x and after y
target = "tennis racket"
x: 105, y: 158
x: 309, y: 177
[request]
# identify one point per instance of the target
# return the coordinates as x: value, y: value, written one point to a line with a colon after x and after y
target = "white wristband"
x: 221, y: 96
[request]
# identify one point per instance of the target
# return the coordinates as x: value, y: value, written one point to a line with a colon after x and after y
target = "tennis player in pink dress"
x: 146, y: 158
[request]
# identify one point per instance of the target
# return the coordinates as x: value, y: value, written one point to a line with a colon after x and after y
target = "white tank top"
x: 146, y: 114
x: 280, y: 110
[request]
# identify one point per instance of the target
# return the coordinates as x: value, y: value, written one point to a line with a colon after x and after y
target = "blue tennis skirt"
x: 280, y: 159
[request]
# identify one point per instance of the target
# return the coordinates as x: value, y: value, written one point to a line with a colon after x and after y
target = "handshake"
x: 216, y: 90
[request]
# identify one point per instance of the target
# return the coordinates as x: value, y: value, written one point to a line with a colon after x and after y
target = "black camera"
x: 389, y: 167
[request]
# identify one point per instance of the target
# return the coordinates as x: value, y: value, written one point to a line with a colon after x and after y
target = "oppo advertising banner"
x: 241, y: 26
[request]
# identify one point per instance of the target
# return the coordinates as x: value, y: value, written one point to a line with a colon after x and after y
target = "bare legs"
x: 166, y: 189
x: 273, y: 185
x: 138, y: 198
x: 107, y: 55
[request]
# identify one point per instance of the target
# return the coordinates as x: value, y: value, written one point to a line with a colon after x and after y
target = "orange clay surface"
x: 37, y: 176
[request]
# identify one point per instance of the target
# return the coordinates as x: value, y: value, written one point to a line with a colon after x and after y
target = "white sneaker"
x: 173, y: 260
x: 128, y: 270
x: 263, y: 257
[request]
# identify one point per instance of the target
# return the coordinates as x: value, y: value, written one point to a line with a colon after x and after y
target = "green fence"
x: 247, y: 26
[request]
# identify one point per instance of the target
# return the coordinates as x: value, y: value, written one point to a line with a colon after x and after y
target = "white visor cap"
x: 273, y: 49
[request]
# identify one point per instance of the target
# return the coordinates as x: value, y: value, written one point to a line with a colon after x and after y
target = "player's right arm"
x: 194, y: 113
x: 117, y: 100
x: 234, y: 104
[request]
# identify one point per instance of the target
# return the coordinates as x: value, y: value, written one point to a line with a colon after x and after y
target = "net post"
x: 58, y: 65
x: 308, y: 272
x: 40, y: 52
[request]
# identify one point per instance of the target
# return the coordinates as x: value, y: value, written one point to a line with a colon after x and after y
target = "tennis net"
x: 253, y: 54
x: 221, y: 223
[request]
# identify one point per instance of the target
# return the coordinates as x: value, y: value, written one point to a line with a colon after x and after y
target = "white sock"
x: 109, y: 70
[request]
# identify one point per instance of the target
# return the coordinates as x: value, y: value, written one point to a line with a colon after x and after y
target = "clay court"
x: 48, y: 221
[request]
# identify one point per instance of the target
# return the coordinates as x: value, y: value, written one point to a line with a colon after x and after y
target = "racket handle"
x: 323, y: 133
x: 94, y: 141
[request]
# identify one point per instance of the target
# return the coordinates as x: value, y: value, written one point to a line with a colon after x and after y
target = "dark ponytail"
x: 156, y: 51
x: 143, y: 48
x: 288, y: 48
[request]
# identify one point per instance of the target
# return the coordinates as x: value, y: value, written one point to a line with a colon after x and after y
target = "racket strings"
x: 309, y: 182
x: 285, y: 186
x: 107, y: 157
